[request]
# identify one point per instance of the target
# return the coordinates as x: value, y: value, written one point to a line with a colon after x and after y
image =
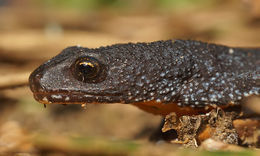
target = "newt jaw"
x: 75, y: 98
x: 156, y: 108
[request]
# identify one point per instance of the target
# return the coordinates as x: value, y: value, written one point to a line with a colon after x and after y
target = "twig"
x: 14, y: 80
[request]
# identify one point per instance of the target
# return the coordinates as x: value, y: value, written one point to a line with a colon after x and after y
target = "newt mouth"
x: 75, y: 98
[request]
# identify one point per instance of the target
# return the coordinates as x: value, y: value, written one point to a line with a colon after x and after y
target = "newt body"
x: 159, y: 77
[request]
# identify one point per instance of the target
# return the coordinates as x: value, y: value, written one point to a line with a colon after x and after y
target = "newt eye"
x: 86, y: 69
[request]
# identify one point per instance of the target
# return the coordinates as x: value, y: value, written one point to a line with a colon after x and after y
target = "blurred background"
x: 32, y: 31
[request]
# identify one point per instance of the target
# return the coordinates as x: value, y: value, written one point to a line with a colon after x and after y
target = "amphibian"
x: 161, y: 77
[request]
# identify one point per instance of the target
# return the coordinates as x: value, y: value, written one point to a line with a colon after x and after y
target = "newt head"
x: 122, y: 73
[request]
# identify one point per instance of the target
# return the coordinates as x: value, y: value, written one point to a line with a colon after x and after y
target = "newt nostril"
x: 34, y: 81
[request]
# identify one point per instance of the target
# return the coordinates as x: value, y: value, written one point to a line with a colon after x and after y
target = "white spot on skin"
x: 231, y: 96
x: 158, y: 100
x: 237, y: 92
x: 214, y: 96
x: 56, y: 96
x: 140, y: 84
x: 246, y: 94
x: 231, y: 51
x: 213, y: 79
x: 162, y: 74
x: 45, y: 99
x: 212, y: 99
x: 173, y: 93
x: 219, y: 96
x: 67, y: 98
x: 203, y: 99
x: 251, y: 92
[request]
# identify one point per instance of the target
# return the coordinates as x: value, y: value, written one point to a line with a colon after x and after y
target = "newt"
x: 182, y: 76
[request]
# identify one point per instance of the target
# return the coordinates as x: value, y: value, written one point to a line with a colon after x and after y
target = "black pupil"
x: 87, y: 69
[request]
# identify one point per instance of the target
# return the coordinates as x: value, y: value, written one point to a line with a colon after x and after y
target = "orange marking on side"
x: 163, y: 109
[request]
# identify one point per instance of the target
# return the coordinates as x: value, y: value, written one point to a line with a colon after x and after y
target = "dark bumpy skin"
x: 181, y: 73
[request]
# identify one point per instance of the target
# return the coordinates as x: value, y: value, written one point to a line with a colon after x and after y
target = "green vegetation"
x: 246, y: 152
x: 124, y: 4
x: 227, y: 153
x: 83, y: 4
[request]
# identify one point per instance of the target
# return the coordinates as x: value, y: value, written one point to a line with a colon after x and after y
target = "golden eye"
x: 87, y: 69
